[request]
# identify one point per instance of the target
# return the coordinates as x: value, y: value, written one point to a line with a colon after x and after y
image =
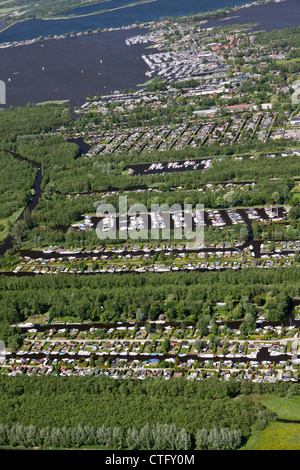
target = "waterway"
x: 114, y: 17
x: 270, y: 16
x: 99, y: 64
x: 255, y: 245
x: 72, y: 68
x: 262, y: 355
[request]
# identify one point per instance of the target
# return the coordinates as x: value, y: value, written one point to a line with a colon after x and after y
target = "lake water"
x: 162, y: 7
x: 70, y: 69
x: 271, y: 16
x: 116, y: 18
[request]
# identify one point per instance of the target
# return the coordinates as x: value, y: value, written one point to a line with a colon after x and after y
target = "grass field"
x: 52, y: 102
x: 285, y: 408
x: 5, y: 223
x: 288, y: 61
x: 276, y: 436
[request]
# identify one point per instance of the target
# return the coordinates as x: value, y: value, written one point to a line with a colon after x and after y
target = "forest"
x: 17, y: 180
x: 32, y: 120
x: 197, y: 412
x: 111, y: 298
x: 29, y: 125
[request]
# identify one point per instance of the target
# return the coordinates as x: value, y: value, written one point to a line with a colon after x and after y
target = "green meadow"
x: 278, y: 435
x: 5, y: 224
x: 284, y: 407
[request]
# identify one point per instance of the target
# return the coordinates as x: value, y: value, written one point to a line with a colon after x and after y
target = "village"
x: 157, y: 349
x: 98, y: 265
x: 208, y: 131
x: 198, y: 93
x: 209, y: 82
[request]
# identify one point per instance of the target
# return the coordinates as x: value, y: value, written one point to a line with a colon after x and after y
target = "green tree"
x: 133, y: 438
x: 146, y: 437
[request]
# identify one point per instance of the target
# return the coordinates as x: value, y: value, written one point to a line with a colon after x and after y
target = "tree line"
x: 149, y: 437
x: 113, y: 297
x: 178, y: 296
x: 186, y: 406
x: 16, y: 184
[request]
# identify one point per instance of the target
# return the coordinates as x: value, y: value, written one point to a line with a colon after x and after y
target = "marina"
x: 272, y: 15
x: 45, y: 68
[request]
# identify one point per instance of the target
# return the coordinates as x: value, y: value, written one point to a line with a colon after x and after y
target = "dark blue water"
x: 70, y: 69
x: 163, y: 7
x: 272, y: 16
x: 126, y: 16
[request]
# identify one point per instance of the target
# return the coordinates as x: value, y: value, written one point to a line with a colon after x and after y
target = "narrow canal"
x: 263, y: 354
x: 252, y: 243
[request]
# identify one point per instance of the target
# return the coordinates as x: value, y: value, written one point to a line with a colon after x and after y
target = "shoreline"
x: 205, y: 16
x: 27, y: 42
x: 99, y: 12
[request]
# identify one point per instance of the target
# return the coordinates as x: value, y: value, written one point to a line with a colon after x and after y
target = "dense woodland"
x: 20, y: 126
x: 17, y: 180
x: 91, y: 402
x: 179, y: 296
x: 72, y: 238
x: 32, y: 120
